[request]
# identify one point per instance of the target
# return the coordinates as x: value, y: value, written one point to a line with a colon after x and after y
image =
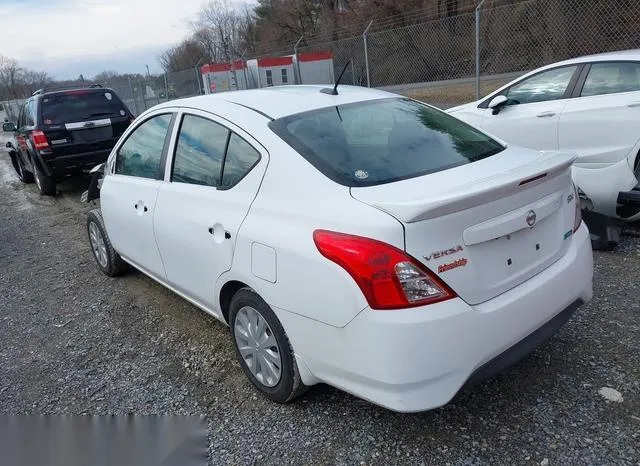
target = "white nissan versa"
x: 349, y: 236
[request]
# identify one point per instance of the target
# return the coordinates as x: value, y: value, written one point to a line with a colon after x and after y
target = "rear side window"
x: 240, y: 159
x: 199, y: 152
x: 81, y: 105
x: 141, y: 153
x: 383, y: 141
x: 610, y: 78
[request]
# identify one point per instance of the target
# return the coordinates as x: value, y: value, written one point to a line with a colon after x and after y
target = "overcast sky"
x: 69, y: 37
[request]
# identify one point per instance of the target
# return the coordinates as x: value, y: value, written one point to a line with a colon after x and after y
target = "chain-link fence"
x: 433, y: 55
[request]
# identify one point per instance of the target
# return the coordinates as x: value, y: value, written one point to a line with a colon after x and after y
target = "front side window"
x: 610, y: 78
x: 199, y: 152
x: 285, y: 78
x: 141, y: 153
x: 542, y: 87
x: 240, y: 159
x: 382, y: 141
x: 269, y: 77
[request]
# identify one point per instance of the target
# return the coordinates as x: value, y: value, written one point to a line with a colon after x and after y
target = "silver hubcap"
x: 258, y: 346
x: 97, y: 244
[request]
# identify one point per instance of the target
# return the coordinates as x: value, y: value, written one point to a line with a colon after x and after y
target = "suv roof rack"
x: 64, y: 88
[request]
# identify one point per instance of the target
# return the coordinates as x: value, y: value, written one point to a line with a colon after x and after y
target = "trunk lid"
x: 487, y: 226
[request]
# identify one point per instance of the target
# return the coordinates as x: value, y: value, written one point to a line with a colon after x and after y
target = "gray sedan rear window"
x: 382, y: 141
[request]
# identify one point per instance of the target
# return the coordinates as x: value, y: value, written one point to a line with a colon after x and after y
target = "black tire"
x: 24, y: 175
x: 290, y: 385
x: 112, y: 265
x: 46, y: 184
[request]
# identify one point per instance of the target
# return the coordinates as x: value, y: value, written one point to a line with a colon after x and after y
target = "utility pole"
x: 148, y: 74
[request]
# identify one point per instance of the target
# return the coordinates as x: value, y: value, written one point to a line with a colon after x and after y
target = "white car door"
x: 129, y: 191
x: 603, y: 124
x: 531, y: 115
x: 213, y: 178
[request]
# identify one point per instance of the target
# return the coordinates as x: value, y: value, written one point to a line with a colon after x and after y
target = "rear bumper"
x: 603, y: 186
x: 418, y: 359
x: 628, y: 203
x: 72, y: 164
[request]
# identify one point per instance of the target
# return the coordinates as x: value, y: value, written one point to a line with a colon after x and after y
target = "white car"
x: 363, y: 239
x: 588, y: 105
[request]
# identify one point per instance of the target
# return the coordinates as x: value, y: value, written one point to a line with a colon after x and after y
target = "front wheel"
x: 108, y: 260
x: 24, y: 175
x: 263, y: 349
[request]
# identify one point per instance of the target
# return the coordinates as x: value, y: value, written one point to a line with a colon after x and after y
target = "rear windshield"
x: 80, y: 105
x: 382, y: 141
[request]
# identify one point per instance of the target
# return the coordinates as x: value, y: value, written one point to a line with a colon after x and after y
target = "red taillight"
x: 388, y: 278
x: 577, y: 219
x: 39, y: 140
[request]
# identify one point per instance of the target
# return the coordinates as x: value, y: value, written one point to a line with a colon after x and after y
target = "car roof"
x: 633, y: 54
x: 281, y: 101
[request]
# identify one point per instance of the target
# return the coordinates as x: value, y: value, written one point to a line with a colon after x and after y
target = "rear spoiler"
x: 548, y: 166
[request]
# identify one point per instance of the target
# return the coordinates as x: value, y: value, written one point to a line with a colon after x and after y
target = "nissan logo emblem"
x: 531, y: 218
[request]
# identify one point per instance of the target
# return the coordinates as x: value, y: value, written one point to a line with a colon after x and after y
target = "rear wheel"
x: 263, y: 349
x: 108, y: 260
x: 46, y: 184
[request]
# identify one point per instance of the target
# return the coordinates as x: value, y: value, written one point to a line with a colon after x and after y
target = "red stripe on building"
x: 275, y: 61
x: 315, y: 56
x: 216, y: 67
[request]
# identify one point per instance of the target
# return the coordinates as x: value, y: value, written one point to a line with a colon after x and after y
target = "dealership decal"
x: 452, y: 265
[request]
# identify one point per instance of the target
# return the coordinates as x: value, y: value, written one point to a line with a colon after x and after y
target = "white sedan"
x: 588, y: 105
x: 362, y: 239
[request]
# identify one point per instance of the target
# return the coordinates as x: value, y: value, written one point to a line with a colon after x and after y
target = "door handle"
x: 227, y: 235
x: 634, y: 104
x: 545, y: 114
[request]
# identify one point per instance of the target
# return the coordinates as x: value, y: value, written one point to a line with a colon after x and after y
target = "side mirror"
x: 8, y: 127
x: 497, y: 103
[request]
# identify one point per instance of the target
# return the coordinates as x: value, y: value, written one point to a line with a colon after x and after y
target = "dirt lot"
x: 75, y: 341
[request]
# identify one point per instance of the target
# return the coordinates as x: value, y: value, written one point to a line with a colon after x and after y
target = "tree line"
x: 222, y: 32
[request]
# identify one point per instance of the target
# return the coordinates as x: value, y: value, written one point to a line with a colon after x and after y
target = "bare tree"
x: 187, y: 54
x: 221, y: 29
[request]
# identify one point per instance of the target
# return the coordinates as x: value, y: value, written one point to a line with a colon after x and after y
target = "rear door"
x: 602, y: 124
x: 83, y: 120
x: 129, y: 192
x: 216, y: 172
x: 531, y: 116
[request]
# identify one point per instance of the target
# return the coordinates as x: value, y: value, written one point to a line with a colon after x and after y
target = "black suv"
x: 65, y: 132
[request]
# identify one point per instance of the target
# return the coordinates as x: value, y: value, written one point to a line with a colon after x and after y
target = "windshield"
x: 81, y: 105
x: 382, y: 141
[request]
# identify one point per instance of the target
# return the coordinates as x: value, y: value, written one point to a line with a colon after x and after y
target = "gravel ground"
x: 75, y: 341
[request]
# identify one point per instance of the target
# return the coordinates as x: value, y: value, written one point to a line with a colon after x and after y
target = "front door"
x: 129, y: 193
x: 530, y: 118
x: 214, y: 177
x: 603, y: 124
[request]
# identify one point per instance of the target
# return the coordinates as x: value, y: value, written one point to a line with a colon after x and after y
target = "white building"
x: 222, y: 77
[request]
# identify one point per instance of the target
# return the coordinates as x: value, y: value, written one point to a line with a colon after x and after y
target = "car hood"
x: 457, y: 108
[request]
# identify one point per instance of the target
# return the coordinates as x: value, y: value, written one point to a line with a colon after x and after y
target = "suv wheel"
x: 46, y: 184
x: 108, y: 260
x: 263, y: 349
